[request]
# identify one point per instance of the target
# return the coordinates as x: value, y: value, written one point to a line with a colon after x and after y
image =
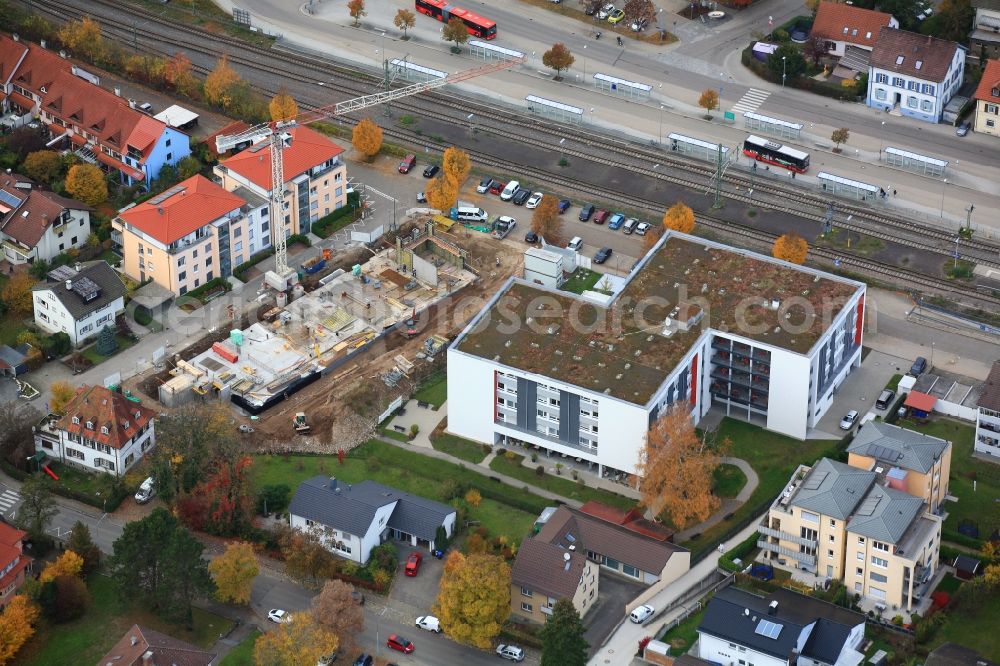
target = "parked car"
x: 326, y: 659
x: 963, y: 129
x: 413, y: 561
x: 531, y: 237
x: 602, y: 255
x: 564, y: 205
x: 364, y: 660
x: 421, y: 197
x: 850, y: 418
x: 534, y: 200
x: 429, y: 623
x: 279, y: 616
x: 397, y: 642
x: 146, y: 491
x: 616, y: 16
x: 509, y: 190
x: 885, y: 399
x: 601, y: 216
x: 497, y: 187
x: 431, y: 171
x: 590, y: 10
x: 642, y: 228
x: 575, y: 244
x: 511, y: 652
x: 484, y: 185
x: 616, y: 221
x: 641, y: 614
x: 919, y: 366
x: 629, y: 225
x: 586, y: 212
x: 640, y: 25
x: 605, y: 11
x: 407, y: 164
x: 521, y: 196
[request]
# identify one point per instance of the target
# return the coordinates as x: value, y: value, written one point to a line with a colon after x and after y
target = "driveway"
x: 419, y: 592
x: 614, y: 592
x: 861, y: 389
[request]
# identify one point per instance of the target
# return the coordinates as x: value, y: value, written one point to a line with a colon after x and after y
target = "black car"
x: 602, y: 255
x: 919, y: 366
x: 431, y: 171
x: 531, y: 237
x: 586, y: 212
x: 521, y: 196
x: 364, y: 660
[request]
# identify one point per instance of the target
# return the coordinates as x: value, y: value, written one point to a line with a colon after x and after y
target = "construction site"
x: 378, y: 320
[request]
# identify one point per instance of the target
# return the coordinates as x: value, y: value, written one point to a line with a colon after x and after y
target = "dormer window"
x: 899, y: 60
x: 995, y: 92
x: 138, y: 415
x: 90, y: 425
x: 104, y: 430
x: 919, y: 64
x: 854, y: 33
x: 125, y: 425
x: 868, y: 35
x: 76, y: 420
x: 846, y: 29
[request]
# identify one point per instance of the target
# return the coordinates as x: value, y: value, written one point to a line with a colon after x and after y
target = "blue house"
x: 915, y: 75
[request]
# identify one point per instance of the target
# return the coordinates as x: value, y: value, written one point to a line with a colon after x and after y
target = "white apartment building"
x: 914, y: 74
x: 988, y: 416
x: 80, y: 305
x: 695, y: 322
x: 36, y: 225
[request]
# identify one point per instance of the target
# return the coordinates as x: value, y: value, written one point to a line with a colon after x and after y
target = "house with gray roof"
x: 351, y: 519
x: 903, y: 459
x: 79, y: 301
x: 784, y: 628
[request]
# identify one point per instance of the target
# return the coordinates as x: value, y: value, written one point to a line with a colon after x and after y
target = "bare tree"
x: 16, y: 439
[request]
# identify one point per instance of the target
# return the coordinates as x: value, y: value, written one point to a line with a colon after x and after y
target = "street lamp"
x: 957, y: 238
x: 944, y: 186
x: 881, y: 145
x: 584, y: 64
x: 660, y: 134
x: 783, y: 72
x: 472, y: 125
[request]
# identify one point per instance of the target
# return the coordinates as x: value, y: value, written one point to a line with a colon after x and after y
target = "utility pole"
x: 387, y: 109
x: 718, y: 180
x: 968, y: 217
x: 753, y: 174
x: 828, y: 220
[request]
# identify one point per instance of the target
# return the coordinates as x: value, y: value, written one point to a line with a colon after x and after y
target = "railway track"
x: 611, y: 151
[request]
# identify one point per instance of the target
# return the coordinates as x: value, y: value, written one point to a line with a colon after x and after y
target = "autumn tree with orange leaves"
x: 283, y: 106
x: 16, y: 628
x: 367, y: 138
x: 221, y: 83
x: 545, y: 221
x: 301, y: 641
x: 676, y: 467
x: 336, y: 609
x: 456, y: 165
x: 679, y: 217
x: 441, y: 193
x: 83, y: 37
x: 791, y: 247
x: 234, y: 572
x: 177, y: 73
x: 67, y: 564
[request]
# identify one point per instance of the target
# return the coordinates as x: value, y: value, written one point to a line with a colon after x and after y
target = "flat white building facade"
x: 988, y: 415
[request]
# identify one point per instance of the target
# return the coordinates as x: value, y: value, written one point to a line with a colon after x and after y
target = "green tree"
x: 44, y: 166
x: 187, y: 167
x: 158, y: 560
x: 787, y: 60
x: 106, y: 342
x: 455, y: 31
x: 81, y: 543
x: 563, y: 643
x: 38, y: 507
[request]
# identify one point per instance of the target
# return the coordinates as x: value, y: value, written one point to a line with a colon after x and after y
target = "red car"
x: 399, y: 643
x: 601, y: 216
x: 497, y: 187
x: 413, y: 563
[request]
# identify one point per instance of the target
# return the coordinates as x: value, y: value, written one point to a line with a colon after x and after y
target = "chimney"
x: 16, y: 37
x: 118, y: 91
x: 147, y: 658
x: 333, y: 483
x: 134, y: 639
x: 69, y: 284
x: 159, y: 209
x: 131, y: 104
x: 41, y: 42
x: 62, y: 53
x: 772, y: 608
x: 77, y: 266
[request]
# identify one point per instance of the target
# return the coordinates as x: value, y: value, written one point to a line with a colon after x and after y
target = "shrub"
x: 540, y: 470
x: 473, y: 497
x: 738, y: 552
x: 414, y: 429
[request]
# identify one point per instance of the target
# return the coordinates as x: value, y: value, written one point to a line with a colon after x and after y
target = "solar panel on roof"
x: 815, y: 480
x: 9, y: 199
x: 768, y: 629
x: 86, y: 289
x: 868, y: 507
x: 163, y: 196
x: 883, y: 452
x: 61, y: 273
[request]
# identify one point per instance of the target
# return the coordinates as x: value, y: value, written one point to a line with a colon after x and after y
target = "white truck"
x: 503, y: 226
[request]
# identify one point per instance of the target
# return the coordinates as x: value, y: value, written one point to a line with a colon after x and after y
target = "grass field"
x: 728, y: 481
x: 973, y: 627
x: 242, y: 654
x: 435, y: 391
x: 561, y: 485
x: 86, y: 640
x: 774, y: 457
x: 91, y: 354
x: 581, y: 280
x: 411, y: 472
x: 457, y: 446
x: 684, y: 635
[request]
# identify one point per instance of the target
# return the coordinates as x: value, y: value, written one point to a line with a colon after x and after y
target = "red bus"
x: 444, y: 11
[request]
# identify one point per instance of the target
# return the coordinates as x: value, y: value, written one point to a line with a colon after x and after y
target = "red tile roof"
x: 11, y: 54
x: 609, y: 513
x: 39, y: 68
x: 235, y: 127
x: 197, y: 202
x: 309, y: 149
x: 165, y: 650
x: 104, y: 408
x: 912, y: 54
x: 920, y: 401
x: 989, y: 86
x: 131, y: 172
x: 10, y: 550
x: 22, y: 101
x: 37, y: 211
x: 11, y: 536
x: 863, y: 25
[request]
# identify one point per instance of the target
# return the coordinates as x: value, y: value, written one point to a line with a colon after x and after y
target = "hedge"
x: 298, y: 238
x: 335, y: 221
x: 807, y: 83
x: 240, y: 271
x: 117, y: 496
x: 738, y: 552
x: 210, y: 286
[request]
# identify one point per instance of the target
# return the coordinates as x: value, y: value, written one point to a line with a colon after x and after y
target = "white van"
x: 575, y: 244
x: 630, y: 225
x: 145, y: 492
x: 471, y: 214
x: 508, y: 192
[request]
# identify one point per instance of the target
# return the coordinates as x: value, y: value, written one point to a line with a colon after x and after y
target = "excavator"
x: 299, y: 423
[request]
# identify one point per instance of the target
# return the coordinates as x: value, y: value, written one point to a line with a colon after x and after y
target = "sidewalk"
x: 728, y: 505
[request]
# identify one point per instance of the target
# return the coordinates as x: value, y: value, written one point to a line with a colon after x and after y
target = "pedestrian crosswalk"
x: 751, y: 101
x: 8, y: 498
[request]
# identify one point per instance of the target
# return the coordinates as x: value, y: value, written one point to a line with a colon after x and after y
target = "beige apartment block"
x: 543, y: 573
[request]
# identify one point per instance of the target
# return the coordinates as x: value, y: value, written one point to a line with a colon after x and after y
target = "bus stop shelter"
x: 491, y: 52
x: 925, y: 166
x: 554, y: 110
x: 776, y: 126
x: 845, y: 187
x: 626, y: 89
x: 414, y: 72
x: 687, y: 145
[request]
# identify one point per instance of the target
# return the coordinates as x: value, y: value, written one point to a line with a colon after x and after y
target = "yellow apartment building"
x: 543, y: 573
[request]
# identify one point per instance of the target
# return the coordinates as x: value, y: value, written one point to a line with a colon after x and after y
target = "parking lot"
x: 613, y: 593
x: 417, y: 592
x: 861, y: 389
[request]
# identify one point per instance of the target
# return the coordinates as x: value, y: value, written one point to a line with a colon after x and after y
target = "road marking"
x: 8, y: 499
x: 751, y: 101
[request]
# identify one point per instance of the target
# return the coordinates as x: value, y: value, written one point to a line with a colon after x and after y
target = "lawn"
x: 581, y: 280
x: 774, y: 457
x: 682, y: 637
x: 728, y: 481
x: 413, y: 473
x: 977, y: 505
x: 564, y: 486
x: 10, y: 327
x: 435, y: 391
x: 86, y: 640
x: 948, y: 584
x: 973, y: 627
x: 242, y: 654
x: 90, y: 353
x: 458, y: 447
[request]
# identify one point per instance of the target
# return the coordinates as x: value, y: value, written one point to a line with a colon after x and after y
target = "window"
x: 833, y: 523
x: 854, y: 32
x: 868, y: 35
x: 990, y: 123
x: 181, y: 261
x: 860, y: 571
x: 911, y: 102
x: 74, y: 453
x: 237, y: 232
x: 880, y: 562
x: 525, y: 592
x: 810, y: 517
x: 876, y: 593
x: 878, y: 578
x: 208, y: 262
x: 170, y: 157
x: 861, y: 556
x: 928, y: 89
x: 629, y: 570
x: 182, y: 276
x: 829, y: 554
x: 76, y: 420
x: 182, y: 291
x: 104, y: 430
x: 832, y: 538
x: 90, y: 425
x: 238, y: 247
x: 195, y: 254
x: 898, y: 82
x: 857, y: 588
x: 339, y: 192
x: 881, y: 78
x: 899, y: 60
x: 913, y: 85
x: 525, y: 607
x: 878, y: 545
x: 880, y: 96
x: 861, y: 540
x: 992, y: 108
x: 919, y: 64
x: 926, y: 105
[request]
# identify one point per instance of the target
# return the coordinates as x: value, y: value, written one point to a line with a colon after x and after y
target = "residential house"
x: 850, y: 32
x: 351, y: 519
x: 144, y: 647
x: 98, y: 125
x: 987, y: 120
x: 543, y: 573
x: 784, y: 628
x: 910, y: 461
x: 988, y: 415
x: 100, y: 431
x: 36, y: 225
x: 953, y: 654
x: 191, y: 233
x: 984, y: 41
x: 592, y: 392
x: 14, y: 564
x: 912, y: 74
x: 79, y: 302
x: 14, y: 360
x: 315, y: 177
x: 839, y: 522
x: 647, y: 559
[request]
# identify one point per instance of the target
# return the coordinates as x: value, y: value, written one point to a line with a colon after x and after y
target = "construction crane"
x: 278, y: 134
